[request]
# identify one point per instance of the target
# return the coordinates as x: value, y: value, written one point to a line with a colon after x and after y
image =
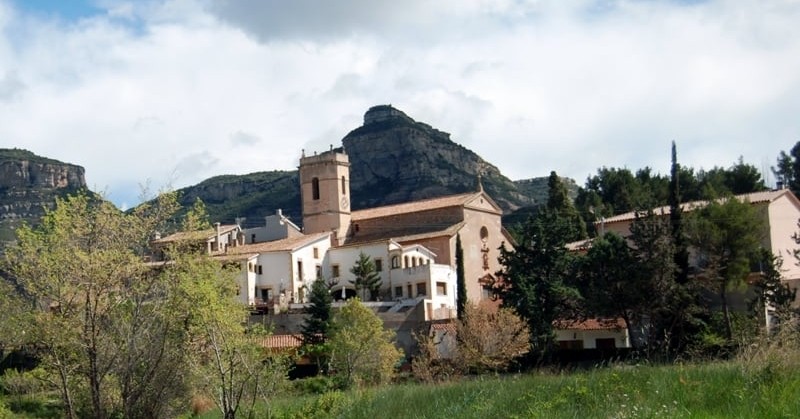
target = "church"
x: 413, y: 246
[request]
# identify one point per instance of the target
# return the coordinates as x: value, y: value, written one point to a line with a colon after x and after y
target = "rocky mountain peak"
x: 29, y: 184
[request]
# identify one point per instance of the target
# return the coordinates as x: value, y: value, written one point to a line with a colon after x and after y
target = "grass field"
x: 713, y: 390
x: 733, y: 389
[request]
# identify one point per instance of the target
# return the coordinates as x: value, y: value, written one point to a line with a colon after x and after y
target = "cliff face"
x: 29, y: 184
x: 396, y: 159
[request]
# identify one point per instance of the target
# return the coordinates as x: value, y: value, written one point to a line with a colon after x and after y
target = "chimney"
x: 779, y: 186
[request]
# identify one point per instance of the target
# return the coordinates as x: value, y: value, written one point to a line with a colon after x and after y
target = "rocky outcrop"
x: 29, y: 184
x: 396, y: 159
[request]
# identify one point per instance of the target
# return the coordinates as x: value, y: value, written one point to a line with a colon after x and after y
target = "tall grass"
x: 721, y: 390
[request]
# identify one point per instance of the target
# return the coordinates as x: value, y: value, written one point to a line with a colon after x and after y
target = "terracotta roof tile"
x: 590, y: 324
x: 753, y: 198
x: 406, y: 234
x: 283, y: 245
x: 282, y: 341
x: 415, y: 206
x: 197, y: 235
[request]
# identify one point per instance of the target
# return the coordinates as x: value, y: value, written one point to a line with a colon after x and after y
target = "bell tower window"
x: 315, y: 188
x: 344, y: 186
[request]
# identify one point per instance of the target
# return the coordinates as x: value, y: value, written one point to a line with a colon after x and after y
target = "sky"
x: 160, y: 94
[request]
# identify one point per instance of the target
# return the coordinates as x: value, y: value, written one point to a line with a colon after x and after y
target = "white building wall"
x: 783, y: 217
x: 589, y: 337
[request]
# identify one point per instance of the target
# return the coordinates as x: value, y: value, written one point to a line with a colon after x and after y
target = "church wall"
x: 480, y: 251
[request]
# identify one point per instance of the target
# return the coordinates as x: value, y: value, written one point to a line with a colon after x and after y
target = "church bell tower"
x: 325, y: 193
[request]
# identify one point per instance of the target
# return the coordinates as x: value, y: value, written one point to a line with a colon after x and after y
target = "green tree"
x: 727, y: 235
x: 316, y: 327
x: 228, y: 361
x: 615, y: 281
x: 773, y: 296
x: 367, y: 278
x: 558, y: 202
x: 539, y: 273
x: 787, y: 169
x: 461, y: 283
x: 362, y: 351
x: 681, y: 255
x: 81, y: 273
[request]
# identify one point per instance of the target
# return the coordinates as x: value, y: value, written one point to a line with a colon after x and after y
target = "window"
x: 395, y: 262
x: 344, y: 188
x: 319, y: 271
x: 258, y: 270
x: 441, y: 288
x: 378, y: 265
x: 249, y: 267
x: 421, y: 289
x: 605, y: 343
x: 484, y: 234
x: 398, y: 292
x: 335, y: 271
x: 571, y: 345
x: 252, y: 238
x: 316, y: 253
x: 405, y: 261
x: 410, y: 293
x: 315, y: 188
x: 300, y: 270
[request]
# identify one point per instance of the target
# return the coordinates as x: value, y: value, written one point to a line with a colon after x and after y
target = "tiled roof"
x: 402, y: 234
x: 283, y: 245
x: 590, y: 324
x: 416, y: 206
x: 753, y: 198
x: 448, y: 327
x: 282, y: 341
x: 197, y: 235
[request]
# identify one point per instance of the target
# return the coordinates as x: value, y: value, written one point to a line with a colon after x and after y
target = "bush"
x: 316, y: 385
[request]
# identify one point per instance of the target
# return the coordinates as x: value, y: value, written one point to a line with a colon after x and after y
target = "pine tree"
x: 461, y: 283
x: 367, y: 278
x: 317, y: 323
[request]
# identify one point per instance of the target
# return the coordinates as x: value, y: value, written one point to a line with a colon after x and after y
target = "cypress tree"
x: 681, y: 256
x: 461, y: 283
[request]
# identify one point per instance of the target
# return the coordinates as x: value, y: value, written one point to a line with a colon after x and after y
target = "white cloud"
x: 177, y: 91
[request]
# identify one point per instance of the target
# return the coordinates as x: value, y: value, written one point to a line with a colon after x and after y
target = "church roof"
x: 405, y: 233
x: 415, y: 206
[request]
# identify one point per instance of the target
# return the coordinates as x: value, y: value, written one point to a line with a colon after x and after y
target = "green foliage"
x: 558, y: 202
x: 771, y: 292
x: 367, y: 278
x: 316, y: 327
x: 732, y: 389
x: 461, y: 281
x: 539, y: 272
x: 787, y: 169
x: 614, y: 281
x: 362, y: 351
x: 727, y: 235
x: 196, y: 219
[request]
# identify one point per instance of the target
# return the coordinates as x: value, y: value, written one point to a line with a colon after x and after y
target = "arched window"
x: 395, y: 262
x: 344, y: 189
x: 315, y: 188
x: 484, y: 234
